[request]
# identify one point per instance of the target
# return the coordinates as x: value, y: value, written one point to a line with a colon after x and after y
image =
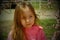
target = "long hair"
x: 17, y: 32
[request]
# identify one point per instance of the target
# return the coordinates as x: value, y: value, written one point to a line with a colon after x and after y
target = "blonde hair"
x: 17, y: 32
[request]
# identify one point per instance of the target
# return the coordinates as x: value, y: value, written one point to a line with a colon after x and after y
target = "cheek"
x: 23, y: 22
x: 32, y: 20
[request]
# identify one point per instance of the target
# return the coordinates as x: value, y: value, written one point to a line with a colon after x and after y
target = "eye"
x: 30, y: 16
x: 22, y: 17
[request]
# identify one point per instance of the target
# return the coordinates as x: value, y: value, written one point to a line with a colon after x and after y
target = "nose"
x: 27, y: 20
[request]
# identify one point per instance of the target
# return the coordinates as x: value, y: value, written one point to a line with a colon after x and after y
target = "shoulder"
x: 40, y: 27
x: 9, y: 35
x: 41, y: 30
x: 41, y: 34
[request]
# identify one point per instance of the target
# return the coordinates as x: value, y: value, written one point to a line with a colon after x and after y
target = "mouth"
x: 28, y: 24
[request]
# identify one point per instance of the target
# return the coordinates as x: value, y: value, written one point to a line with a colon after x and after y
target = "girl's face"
x: 27, y: 18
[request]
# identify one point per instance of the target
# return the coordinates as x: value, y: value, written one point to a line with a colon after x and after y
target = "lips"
x: 28, y: 25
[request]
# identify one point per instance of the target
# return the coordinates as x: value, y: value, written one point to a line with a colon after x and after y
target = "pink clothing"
x: 34, y: 33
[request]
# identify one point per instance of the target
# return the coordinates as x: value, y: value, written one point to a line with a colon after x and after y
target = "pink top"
x: 33, y: 33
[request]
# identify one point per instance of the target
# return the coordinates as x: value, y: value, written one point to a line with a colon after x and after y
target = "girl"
x: 25, y: 27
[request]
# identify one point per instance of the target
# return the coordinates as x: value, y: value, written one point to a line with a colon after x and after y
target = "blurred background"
x: 47, y: 11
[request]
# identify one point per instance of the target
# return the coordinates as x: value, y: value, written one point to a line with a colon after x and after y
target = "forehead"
x: 26, y: 11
